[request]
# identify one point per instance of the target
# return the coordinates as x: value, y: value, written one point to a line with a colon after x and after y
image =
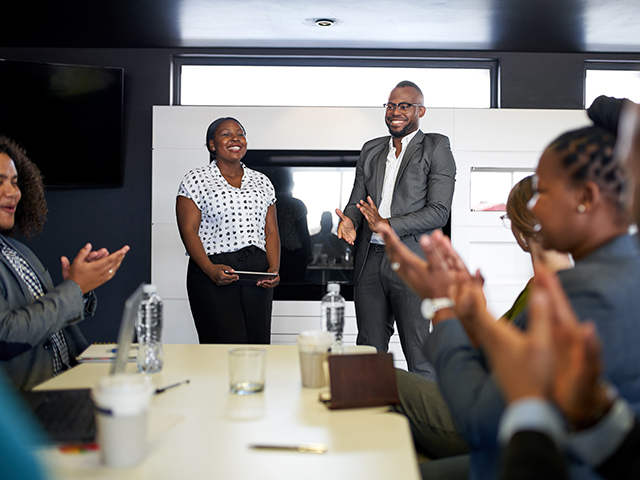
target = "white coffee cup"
x: 314, y: 348
x: 122, y: 405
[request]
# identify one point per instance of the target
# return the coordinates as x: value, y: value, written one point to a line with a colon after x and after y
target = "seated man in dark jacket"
x: 38, y: 338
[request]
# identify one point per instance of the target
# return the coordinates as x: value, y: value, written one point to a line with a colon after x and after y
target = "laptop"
x: 67, y: 415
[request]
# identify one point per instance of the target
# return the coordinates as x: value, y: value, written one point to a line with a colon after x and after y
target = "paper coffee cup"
x: 122, y: 404
x: 314, y: 346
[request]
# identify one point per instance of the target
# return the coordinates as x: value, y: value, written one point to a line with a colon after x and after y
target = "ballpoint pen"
x: 304, y: 448
x: 164, y: 389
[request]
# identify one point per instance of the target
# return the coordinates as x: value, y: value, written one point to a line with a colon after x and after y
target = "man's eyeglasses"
x: 404, y: 106
x: 506, y: 221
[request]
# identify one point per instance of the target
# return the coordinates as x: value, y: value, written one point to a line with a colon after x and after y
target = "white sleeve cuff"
x: 594, y: 445
x: 532, y: 414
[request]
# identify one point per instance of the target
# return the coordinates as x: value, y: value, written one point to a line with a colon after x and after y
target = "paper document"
x: 104, y: 352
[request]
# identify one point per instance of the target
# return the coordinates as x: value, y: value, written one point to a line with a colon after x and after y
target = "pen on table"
x: 164, y: 389
x: 309, y: 448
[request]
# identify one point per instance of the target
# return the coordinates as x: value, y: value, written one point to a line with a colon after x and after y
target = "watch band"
x: 430, y: 306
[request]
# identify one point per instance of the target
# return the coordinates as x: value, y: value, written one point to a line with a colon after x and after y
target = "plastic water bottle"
x: 149, y: 329
x: 332, y: 313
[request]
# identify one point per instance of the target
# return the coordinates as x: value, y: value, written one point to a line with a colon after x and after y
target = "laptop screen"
x: 127, y: 327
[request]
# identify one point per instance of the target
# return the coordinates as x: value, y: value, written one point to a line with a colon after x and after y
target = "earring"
x: 582, y: 208
x: 524, y: 241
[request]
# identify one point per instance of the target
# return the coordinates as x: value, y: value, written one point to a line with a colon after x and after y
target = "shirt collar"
x: 404, y: 141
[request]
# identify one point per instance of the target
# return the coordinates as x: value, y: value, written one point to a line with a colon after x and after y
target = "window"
x: 331, y: 81
x: 490, y: 187
x: 615, y: 79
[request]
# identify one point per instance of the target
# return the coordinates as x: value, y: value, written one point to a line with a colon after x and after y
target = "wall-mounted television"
x: 68, y: 118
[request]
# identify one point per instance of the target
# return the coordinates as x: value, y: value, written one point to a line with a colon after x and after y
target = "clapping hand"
x: 558, y: 358
x: 90, y: 269
x: 346, y: 229
x: 428, y: 279
x: 442, y: 274
x: 371, y: 215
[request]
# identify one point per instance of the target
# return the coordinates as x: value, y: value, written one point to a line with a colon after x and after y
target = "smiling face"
x: 229, y: 142
x: 401, y: 124
x: 555, y: 203
x: 9, y: 192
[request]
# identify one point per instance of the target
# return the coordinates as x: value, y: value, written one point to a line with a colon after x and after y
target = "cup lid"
x: 315, y: 338
x: 123, y: 394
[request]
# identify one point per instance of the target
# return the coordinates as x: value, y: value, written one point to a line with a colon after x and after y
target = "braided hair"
x: 588, y: 153
x: 31, y: 211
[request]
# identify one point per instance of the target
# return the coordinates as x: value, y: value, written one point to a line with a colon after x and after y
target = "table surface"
x: 200, y: 430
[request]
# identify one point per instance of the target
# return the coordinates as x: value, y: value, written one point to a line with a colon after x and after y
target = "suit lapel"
x: 380, y: 161
x: 412, y: 148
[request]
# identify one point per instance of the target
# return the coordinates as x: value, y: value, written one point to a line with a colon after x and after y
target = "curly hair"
x: 31, y: 211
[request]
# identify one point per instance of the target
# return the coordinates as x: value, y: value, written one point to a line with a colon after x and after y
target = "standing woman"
x: 227, y: 220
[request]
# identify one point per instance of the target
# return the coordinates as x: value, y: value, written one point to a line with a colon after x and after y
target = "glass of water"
x: 246, y: 370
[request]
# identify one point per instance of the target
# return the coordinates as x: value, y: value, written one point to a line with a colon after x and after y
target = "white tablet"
x: 256, y: 276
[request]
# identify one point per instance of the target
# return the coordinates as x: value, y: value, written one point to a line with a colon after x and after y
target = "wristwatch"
x: 430, y: 306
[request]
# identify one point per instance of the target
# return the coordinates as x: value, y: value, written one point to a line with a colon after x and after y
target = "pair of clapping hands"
x: 92, y: 268
x: 556, y: 359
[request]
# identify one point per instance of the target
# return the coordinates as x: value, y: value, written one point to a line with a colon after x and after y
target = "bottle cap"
x: 149, y: 288
x: 333, y: 287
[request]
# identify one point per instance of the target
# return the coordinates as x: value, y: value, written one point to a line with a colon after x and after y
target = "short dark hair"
x: 408, y: 83
x: 211, y: 132
x: 31, y: 211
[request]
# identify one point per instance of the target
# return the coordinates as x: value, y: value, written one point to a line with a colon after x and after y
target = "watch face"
x: 430, y: 306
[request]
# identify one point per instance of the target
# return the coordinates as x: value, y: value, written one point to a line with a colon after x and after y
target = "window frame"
x: 622, y: 65
x: 306, y: 60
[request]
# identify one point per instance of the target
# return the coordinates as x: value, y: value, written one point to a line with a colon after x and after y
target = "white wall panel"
x: 169, y: 262
x: 512, y: 129
x: 180, y: 127
x: 169, y: 166
x: 178, y: 322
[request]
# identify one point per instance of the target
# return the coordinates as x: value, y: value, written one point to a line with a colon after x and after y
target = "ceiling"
x: 503, y: 25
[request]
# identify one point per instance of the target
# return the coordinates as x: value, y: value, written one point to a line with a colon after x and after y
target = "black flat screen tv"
x: 68, y: 118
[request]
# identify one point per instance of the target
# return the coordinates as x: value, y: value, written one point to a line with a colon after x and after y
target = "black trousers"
x: 381, y: 298
x: 235, y: 313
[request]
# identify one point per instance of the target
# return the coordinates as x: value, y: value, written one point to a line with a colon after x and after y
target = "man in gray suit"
x: 407, y: 181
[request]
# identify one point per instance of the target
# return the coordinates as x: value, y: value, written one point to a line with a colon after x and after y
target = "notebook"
x: 67, y: 415
x: 363, y: 380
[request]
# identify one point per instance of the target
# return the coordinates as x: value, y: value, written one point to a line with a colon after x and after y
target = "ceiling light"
x: 325, y: 22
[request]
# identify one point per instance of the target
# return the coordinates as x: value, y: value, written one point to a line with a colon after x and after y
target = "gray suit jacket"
x: 26, y: 355
x: 422, y: 195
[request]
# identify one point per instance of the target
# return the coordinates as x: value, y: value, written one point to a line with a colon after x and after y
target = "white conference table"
x: 200, y: 430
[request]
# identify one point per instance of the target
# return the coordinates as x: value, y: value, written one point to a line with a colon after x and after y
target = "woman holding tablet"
x: 227, y: 220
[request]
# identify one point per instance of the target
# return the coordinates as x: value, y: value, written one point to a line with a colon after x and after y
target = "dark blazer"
x: 532, y: 456
x: 422, y: 195
x: 26, y: 355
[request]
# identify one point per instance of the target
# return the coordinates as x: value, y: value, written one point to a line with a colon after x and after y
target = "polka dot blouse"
x: 232, y: 218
